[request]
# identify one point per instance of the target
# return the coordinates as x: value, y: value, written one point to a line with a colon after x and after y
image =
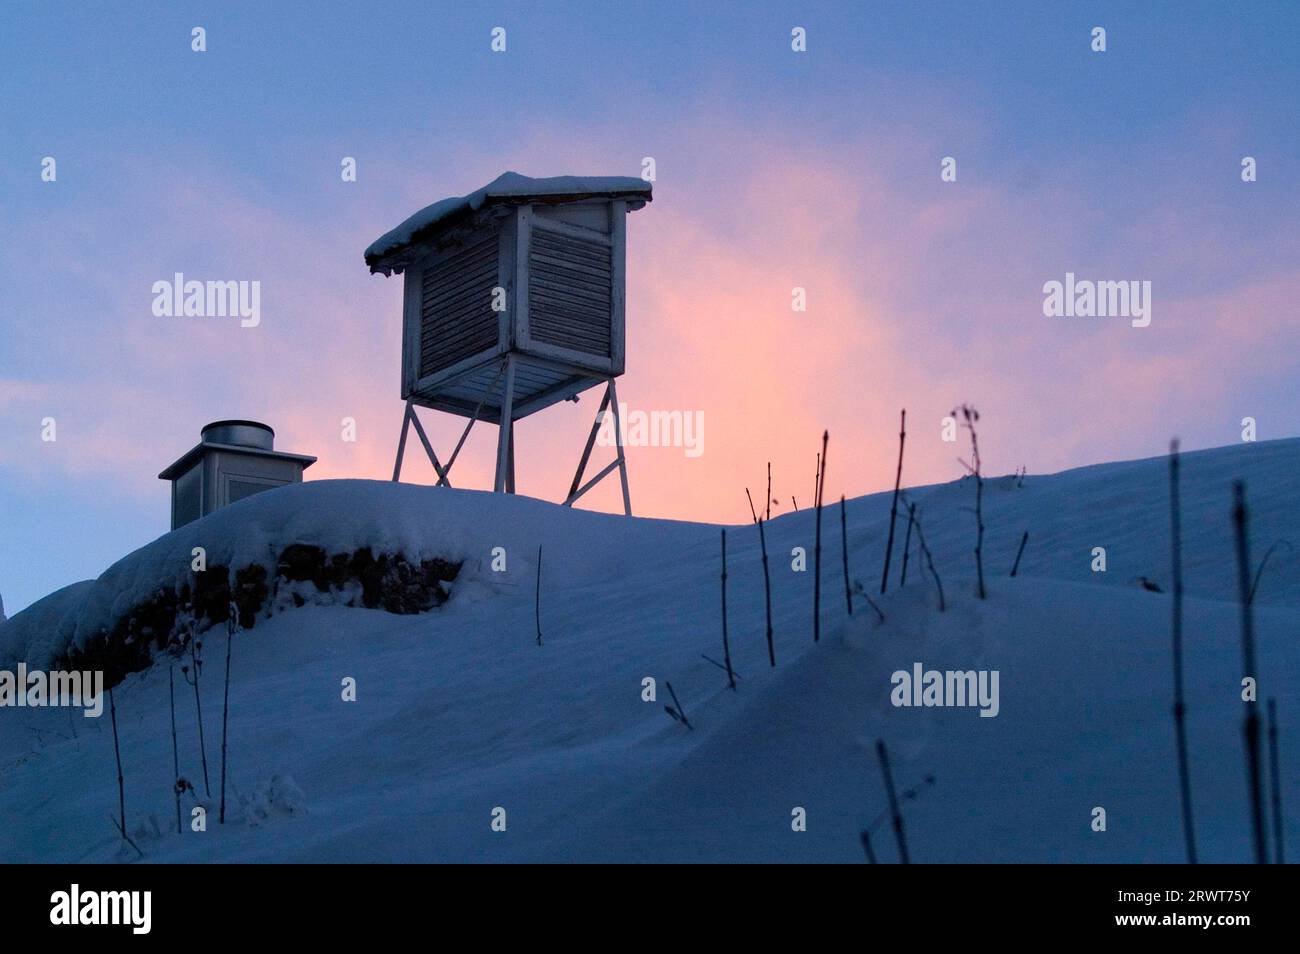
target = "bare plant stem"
x: 679, y: 710
x: 176, y: 758
x: 817, y: 481
x: 970, y: 417
x: 893, y: 802
x: 893, y: 507
x: 1263, y: 563
x: 866, y: 846
x: 117, y: 754
x: 929, y: 559
x: 198, y: 708
x: 1251, y: 727
x: 907, y: 542
x: 231, y: 626
x: 767, y: 593
x: 1019, y: 553
x: 726, y: 645
x: 817, y: 552
x: 1180, y: 709
x: 844, y: 548
x: 537, y: 603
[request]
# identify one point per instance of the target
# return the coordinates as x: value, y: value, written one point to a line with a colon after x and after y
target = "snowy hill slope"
x: 458, y: 710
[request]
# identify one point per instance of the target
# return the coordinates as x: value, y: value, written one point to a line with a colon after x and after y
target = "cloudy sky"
x: 775, y: 169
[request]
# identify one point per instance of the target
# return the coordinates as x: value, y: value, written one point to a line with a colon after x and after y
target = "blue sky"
x: 226, y: 164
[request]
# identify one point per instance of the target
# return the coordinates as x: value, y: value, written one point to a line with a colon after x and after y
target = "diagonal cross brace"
x: 578, y: 488
x: 408, y: 419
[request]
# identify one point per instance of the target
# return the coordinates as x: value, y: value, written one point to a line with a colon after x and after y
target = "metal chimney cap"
x: 240, y: 434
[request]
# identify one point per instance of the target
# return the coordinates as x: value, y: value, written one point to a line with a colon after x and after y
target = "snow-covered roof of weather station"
x: 509, y: 188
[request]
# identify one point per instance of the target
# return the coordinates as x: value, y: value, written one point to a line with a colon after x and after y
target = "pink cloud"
x: 917, y: 297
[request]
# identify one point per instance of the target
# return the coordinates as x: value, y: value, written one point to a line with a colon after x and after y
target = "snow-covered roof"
x: 186, y: 460
x: 509, y: 188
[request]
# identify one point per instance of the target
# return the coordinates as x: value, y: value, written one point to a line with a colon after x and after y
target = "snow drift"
x: 459, y: 712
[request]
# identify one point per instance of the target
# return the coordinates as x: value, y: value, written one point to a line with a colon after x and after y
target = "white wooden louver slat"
x: 570, y: 293
x: 456, y: 316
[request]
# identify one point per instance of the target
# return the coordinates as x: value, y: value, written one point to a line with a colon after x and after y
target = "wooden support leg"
x: 510, y: 470
x: 401, y: 442
x: 622, y: 458
x: 503, y: 435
